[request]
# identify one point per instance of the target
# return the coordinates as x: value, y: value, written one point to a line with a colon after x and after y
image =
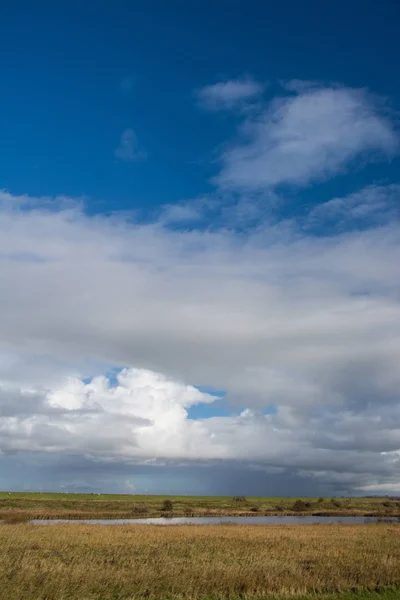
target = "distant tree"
x: 301, y: 506
x: 167, y: 506
x: 239, y: 499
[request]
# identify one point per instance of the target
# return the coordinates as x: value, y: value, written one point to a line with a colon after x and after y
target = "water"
x: 309, y: 520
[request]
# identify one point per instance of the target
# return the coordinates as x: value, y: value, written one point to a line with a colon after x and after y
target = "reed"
x: 219, y: 562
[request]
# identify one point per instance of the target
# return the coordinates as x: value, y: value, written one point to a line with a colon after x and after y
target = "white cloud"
x: 129, y: 149
x: 376, y: 204
x: 271, y: 313
x: 382, y: 488
x: 144, y: 418
x: 273, y: 316
x: 303, y: 138
x: 229, y: 94
x: 188, y: 212
x: 144, y: 415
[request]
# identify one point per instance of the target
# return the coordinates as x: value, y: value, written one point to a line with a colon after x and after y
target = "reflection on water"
x: 218, y: 520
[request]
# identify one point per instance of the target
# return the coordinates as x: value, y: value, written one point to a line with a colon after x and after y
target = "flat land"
x: 125, y: 562
x: 113, y: 506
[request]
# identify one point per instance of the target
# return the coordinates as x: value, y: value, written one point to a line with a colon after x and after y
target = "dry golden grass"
x: 93, y: 562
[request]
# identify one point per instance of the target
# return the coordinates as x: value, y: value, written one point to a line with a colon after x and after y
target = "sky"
x: 199, y: 247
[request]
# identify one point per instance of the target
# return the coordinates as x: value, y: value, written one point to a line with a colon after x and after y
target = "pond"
x: 309, y: 520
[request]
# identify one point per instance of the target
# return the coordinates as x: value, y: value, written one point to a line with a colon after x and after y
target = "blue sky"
x: 75, y: 77
x: 199, y: 247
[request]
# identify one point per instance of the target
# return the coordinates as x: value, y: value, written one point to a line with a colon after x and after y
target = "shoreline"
x: 27, y: 506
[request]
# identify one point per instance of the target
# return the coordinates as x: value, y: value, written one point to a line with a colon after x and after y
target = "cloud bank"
x: 309, y: 324
x: 296, y: 319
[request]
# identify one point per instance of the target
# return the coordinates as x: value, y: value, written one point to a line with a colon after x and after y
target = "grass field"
x: 108, y: 506
x: 95, y: 562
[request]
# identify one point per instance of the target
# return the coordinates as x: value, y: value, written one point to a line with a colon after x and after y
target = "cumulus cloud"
x: 229, y: 94
x: 309, y: 324
x: 304, y: 138
x: 129, y: 149
x: 144, y: 418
